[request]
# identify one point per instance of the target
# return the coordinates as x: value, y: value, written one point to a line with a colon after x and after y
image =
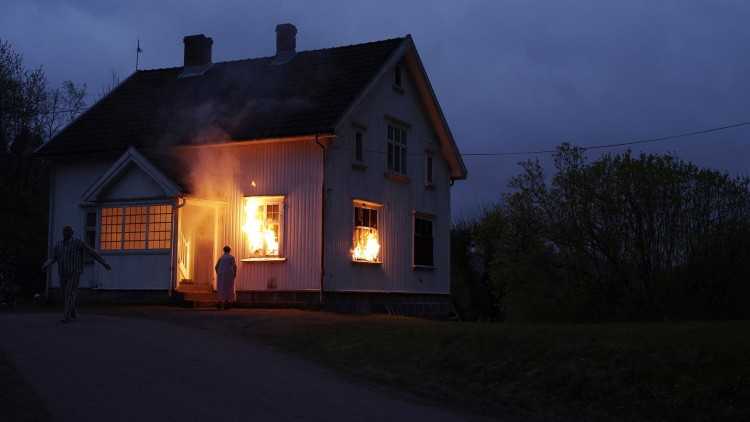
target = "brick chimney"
x: 286, y: 43
x: 197, y: 55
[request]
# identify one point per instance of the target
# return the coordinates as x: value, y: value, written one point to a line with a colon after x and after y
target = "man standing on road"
x: 69, y: 253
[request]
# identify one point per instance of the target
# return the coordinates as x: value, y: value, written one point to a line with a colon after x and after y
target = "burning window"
x: 423, y: 242
x: 139, y: 227
x: 263, y: 225
x: 366, y: 242
x: 396, y: 149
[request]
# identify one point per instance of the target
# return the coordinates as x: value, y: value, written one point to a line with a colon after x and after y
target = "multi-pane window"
x: 358, y: 146
x: 89, y: 228
x: 366, y: 242
x: 137, y: 227
x: 263, y: 226
x: 423, y: 242
x: 396, y: 149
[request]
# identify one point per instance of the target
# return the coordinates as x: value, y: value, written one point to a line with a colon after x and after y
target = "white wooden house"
x: 328, y: 172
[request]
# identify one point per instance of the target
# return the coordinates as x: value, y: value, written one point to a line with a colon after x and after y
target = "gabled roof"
x: 311, y: 94
x: 129, y: 160
x: 237, y: 100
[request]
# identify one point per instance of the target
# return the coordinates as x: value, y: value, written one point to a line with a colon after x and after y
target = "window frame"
x: 397, y: 149
x: 90, y: 228
x: 136, y: 228
x: 360, y: 231
x: 359, y: 140
x: 419, y: 239
x: 398, y: 76
x: 429, y: 170
x: 266, y: 201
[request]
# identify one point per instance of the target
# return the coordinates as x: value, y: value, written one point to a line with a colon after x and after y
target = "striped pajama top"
x: 69, y: 256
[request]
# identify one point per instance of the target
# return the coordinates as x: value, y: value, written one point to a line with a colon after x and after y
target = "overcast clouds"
x: 510, y: 75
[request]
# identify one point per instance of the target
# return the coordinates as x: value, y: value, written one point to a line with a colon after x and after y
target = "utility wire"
x: 610, y: 145
x: 490, y: 154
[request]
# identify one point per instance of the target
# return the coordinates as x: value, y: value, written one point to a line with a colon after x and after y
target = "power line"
x: 611, y: 145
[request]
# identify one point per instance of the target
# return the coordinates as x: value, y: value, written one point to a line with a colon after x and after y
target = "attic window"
x: 358, y: 141
x: 397, y: 79
x: 428, y: 170
x: 366, y: 243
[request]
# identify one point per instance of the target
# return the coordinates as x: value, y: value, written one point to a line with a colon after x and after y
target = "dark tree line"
x: 31, y: 112
x: 622, y: 238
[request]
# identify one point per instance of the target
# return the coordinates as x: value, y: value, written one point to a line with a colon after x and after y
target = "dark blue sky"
x: 511, y: 76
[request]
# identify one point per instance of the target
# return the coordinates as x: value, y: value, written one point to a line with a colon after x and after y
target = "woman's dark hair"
x: 227, y: 249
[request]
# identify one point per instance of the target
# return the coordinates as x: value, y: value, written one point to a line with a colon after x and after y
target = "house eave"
x: 261, y: 141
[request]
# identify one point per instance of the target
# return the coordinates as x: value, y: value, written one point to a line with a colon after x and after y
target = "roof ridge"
x: 244, y: 99
x: 299, y: 52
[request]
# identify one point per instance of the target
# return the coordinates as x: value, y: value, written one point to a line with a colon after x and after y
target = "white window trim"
x: 148, y: 234
x: 422, y: 216
x: 399, y: 149
x: 266, y: 200
x: 429, y: 170
x: 359, y: 203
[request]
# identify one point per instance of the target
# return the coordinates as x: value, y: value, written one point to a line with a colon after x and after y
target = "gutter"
x: 322, y: 223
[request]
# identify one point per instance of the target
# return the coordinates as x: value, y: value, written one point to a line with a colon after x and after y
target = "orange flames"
x: 367, y: 246
x: 262, y: 239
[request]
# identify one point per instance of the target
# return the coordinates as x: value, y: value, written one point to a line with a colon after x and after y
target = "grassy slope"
x: 621, y: 372
x: 677, y: 371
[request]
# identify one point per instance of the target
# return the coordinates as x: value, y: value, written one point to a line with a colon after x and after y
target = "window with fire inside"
x: 263, y: 227
x: 366, y: 247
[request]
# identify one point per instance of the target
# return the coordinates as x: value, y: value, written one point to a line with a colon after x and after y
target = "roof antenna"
x: 138, y: 51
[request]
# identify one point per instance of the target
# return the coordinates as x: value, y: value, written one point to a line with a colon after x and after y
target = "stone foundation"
x: 113, y: 296
x: 432, y: 306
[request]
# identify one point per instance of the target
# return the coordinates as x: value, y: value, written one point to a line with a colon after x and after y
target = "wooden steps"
x: 196, y: 295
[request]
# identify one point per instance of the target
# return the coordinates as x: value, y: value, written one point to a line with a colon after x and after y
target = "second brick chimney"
x: 197, y: 55
x: 286, y: 43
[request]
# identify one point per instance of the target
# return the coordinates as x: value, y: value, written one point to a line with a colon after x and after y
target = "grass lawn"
x: 666, y: 371
x: 619, y: 372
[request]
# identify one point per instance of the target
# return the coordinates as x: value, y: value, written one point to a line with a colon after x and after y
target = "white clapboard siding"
x: 148, y: 271
x: 133, y: 183
x: 129, y: 271
x: 398, y: 198
x: 292, y: 169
